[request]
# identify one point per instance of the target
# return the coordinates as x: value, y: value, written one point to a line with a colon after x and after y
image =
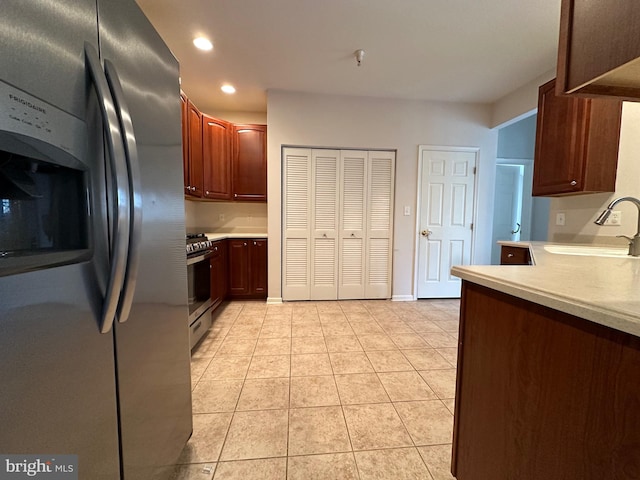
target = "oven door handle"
x: 199, y: 258
x: 120, y: 185
x: 135, y: 192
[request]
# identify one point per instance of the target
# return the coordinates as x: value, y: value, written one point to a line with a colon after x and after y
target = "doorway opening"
x: 517, y: 215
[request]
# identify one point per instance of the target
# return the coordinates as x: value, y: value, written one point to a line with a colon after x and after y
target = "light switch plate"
x: 407, y: 210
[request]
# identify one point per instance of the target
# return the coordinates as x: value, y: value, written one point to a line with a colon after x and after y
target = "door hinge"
x: 472, y: 226
x: 475, y: 169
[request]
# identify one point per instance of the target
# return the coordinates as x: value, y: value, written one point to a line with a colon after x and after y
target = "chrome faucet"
x: 634, y: 243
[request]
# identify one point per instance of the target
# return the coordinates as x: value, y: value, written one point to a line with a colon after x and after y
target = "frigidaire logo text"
x: 27, y: 103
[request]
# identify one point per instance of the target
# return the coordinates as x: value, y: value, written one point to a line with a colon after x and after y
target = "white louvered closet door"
x: 379, y: 224
x: 324, y: 224
x: 353, y: 198
x: 296, y: 210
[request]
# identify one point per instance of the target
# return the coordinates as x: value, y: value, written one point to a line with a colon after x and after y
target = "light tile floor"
x: 324, y: 391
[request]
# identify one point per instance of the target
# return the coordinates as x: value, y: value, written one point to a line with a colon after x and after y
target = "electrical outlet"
x: 221, y: 217
x: 615, y: 219
x: 560, y: 219
x: 407, y: 210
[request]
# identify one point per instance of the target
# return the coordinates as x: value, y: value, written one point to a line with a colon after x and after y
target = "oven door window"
x: 199, y: 281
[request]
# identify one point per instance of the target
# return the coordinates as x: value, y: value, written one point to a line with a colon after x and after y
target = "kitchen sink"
x: 591, y: 251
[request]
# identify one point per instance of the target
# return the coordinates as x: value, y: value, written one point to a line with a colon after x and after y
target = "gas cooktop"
x: 197, y: 242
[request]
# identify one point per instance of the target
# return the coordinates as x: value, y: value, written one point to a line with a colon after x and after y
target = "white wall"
x: 519, y: 103
x: 363, y: 122
x: 582, y: 210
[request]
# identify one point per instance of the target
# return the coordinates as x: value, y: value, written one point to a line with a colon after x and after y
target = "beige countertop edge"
x: 222, y: 236
x: 604, y: 291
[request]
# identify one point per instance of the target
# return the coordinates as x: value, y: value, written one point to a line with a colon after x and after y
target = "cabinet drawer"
x: 514, y: 256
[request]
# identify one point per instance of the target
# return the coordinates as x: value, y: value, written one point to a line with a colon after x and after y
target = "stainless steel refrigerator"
x: 94, y: 346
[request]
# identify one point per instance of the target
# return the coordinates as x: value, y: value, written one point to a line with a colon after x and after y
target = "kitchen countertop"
x: 604, y: 290
x: 213, y: 236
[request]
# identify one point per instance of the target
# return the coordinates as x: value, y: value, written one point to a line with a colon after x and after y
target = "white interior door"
x: 324, y: 224
x: 379, y: 224
x: 296, y: 224
x: 353, y: 197
x: 447, y: 189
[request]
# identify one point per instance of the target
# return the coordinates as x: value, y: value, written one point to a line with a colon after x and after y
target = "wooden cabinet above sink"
x: 599, y: 48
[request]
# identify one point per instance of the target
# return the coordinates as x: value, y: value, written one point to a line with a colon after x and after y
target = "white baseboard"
x: 274, y: 300
x: 402, y: 298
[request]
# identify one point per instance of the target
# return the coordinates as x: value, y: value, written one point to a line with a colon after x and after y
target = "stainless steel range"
x: 199, y: 279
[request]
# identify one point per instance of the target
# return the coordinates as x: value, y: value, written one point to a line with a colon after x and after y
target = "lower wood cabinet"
x: 514, y: 255
x: 542, y: 394
x: 247, y: 268
x: 219, y: 273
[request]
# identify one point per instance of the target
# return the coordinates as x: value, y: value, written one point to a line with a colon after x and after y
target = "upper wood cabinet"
x: 249, y: 164
x: 216, y: 139
x: 184, y: 102
x: 599, y: 48
x: 192, y: 148
x: 576, y: 144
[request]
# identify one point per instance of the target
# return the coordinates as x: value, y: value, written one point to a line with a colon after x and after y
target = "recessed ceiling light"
x: 228, y: 89
x: 202, y: 43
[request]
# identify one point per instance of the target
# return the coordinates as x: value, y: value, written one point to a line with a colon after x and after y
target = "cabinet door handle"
x: 573, y: 183
x: 206, y: 192
x: 245, y: 244
x: 235, y: 195
x: 510, y: 255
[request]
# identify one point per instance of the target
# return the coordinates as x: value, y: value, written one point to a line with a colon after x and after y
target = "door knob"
x: 426, y: 233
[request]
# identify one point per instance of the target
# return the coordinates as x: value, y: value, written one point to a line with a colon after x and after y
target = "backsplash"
x: 225, y: 217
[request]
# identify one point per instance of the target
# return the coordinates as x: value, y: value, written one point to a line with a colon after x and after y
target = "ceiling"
x: 443, y: 50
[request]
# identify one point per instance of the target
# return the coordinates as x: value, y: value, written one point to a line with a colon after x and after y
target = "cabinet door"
x: 250, y: 163
x: 185, y: 142
x: 559, y: 156
x: 218, y: 273
x: 514, y: 256
x: 216, y: 139
x: 258, y: 267
x: 195, y: 150
x: 577, y: 143
x: 238, y: 251
x: 598, y: 51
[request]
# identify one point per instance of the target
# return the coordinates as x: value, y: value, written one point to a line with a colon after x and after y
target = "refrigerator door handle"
x: 120, y: 184
x: 135, y: 191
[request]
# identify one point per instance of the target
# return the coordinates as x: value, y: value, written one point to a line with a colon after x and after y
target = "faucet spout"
x: 634, y: 245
